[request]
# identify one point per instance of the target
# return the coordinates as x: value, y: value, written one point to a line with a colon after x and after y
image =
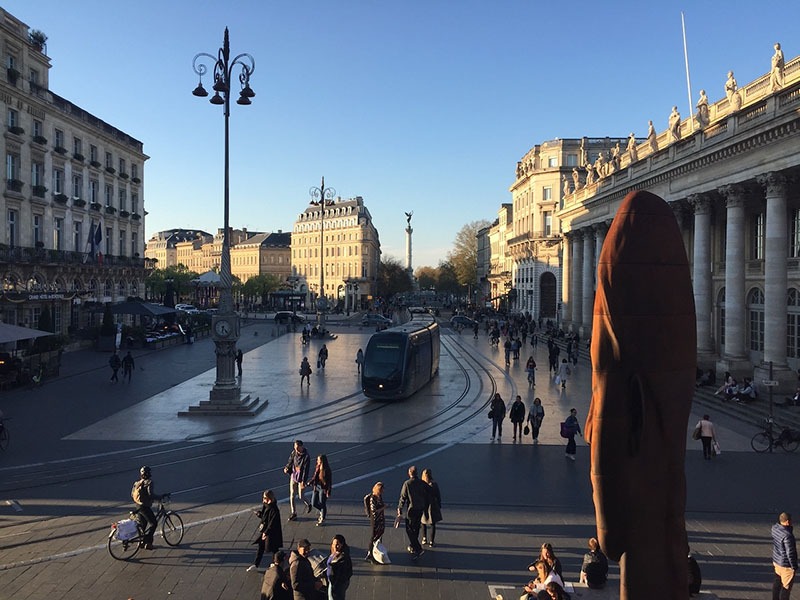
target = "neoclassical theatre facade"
x: 730, y: 173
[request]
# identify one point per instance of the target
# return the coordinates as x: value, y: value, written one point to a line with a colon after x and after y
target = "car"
x: 211, y: 311
x: 187, y: 308
x: 375, y: 319
x: 417, y: 309
x: 462, y: 321
x: 287, y: 316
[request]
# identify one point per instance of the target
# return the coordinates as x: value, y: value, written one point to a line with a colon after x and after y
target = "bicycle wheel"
x: 761, y: 442
x: 172, y: 528
x: 790, y: 445
x: 122, y: 550
x: 3, y: 438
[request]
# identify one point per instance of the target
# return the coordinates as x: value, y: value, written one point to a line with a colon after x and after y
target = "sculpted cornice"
x: 753, y: 142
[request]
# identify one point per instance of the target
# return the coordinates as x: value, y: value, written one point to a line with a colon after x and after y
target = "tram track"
x: 225, y: 490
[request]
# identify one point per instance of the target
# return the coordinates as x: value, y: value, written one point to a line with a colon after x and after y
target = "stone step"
x: 248, y: 406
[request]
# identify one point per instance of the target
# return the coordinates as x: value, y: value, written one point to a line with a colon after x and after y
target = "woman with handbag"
x: 375, y: 507
x: 571, y: 427
x: 322, y: 482
x: 270, y: 535
x: 434, y: 513
x: 497, y: 412
x: 535, y: 418
x: 707, y: 435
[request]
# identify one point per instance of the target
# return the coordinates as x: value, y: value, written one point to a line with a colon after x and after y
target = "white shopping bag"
x: 379, y: 553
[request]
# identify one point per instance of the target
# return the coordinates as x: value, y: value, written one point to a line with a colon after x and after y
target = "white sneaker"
x: 251, y: 568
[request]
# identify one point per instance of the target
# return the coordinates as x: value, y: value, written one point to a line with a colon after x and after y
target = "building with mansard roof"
x: 67, y: 172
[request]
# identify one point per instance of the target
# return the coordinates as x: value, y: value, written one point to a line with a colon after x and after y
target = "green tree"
x: 464, y: 255
x: 448, y: 279
x: 392, y: 278
x: 427, y: 277
x: 181, y: 278
x: 260, y: 286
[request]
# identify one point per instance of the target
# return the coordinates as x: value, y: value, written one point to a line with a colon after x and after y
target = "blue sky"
x: 422, y: 105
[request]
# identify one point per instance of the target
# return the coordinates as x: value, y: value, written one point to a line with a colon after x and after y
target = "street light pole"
x: 225, y: 324
x: 323, y: 197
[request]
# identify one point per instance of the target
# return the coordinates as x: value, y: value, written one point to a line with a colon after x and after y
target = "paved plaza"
x: 77, y: 444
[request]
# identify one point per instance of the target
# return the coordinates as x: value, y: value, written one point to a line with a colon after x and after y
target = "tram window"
x: 383, y: 360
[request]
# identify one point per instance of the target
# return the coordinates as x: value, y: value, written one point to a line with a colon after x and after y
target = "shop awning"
x: 149, y: 309
x: 13, y: 333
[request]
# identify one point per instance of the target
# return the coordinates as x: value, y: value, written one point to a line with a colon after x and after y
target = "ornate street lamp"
x: 322, y: 197
x: 225, y: 324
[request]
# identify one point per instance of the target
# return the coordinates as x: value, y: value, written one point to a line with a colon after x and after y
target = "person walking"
x: 708, y: 435
x: 297, y: 469
x: 360, y: 359
x: 507, y: 348
x: 534, y: 340
x: 784, y: 557
x: 340, y: 568
x: 270, y: 535
x: 415, y: 495
x: 239, y: 358
x: 563, y: 373
x: 530, y: 367
x: 322, y: 357
x: 115, y: 363
x: 305, y: 371
x: 304, y: 585
x: 515, y: 348
x: 128, y: 366
x: 572, y: 427
x: 375, y: 509
x: 322, y: 483
x: 497, y: 409
x: 535, y: 418
x: 276, y: 584
x: 434, y: 513
x: 517, y: 416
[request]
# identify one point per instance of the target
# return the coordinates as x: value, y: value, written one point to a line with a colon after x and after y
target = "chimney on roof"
x: 279, y: 231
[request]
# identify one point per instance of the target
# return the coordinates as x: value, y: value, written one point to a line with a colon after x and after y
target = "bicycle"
x: 788, y: 440
x: 3, y: 434
x: 124, y: 542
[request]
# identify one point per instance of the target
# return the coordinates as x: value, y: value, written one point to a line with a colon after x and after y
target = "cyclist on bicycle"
x: 143, y: 495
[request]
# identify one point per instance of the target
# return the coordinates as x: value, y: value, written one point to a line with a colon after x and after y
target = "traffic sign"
x: 769, y: 383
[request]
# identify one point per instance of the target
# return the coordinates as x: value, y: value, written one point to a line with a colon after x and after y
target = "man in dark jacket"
x: 143, y: 496
x: 784, y: 557
x: 276, y: 584
x: 304, y: 584
x: 128, y: 366
x: 297, y: 470
x: 416, y: 495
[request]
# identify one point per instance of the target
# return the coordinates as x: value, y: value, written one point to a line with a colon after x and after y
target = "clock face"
x: 223, y: 328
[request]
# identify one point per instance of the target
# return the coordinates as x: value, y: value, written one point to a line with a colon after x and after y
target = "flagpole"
x: 688, y: 81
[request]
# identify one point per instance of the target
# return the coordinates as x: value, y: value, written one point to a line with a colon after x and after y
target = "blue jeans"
x: 497, y: 426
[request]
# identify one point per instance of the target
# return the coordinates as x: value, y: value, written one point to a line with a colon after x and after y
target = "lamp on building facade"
x: 225, y: 324
x: 322, y: 197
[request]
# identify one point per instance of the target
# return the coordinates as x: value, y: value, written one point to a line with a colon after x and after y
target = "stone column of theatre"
x: 701, y: 270
x: 600, y: 230
x: 588, y: 280
x: 566, y: 292
x: 734, y: 272
x: 577, y: 274
x: 775, y: 265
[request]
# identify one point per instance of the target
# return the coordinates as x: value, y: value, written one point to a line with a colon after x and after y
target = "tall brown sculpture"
x: 643, y: 356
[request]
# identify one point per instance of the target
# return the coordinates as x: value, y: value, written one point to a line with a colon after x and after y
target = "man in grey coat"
x: 416, y: 495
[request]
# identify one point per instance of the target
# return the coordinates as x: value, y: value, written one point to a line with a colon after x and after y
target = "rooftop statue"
x: 776, y: 72
x: 576, y: 179
x: 702, y: 117
x: 652, y: 137
x: 565, y: 183
x: 732, y: 93
x: 584, y: 153
x: 408, y: 217
x: 633, y: 153
x: 589, y: 173
x: 675, y: 124
x: 600, y: 165
x: 615, y: 159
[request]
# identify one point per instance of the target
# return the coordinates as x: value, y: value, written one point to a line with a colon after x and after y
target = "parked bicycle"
x: 788, y: 439
x: 3, y: 434
x: 127, y: 536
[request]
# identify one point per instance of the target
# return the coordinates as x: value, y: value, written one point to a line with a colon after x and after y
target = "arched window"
x: 134, y: 288
x: 755, y: 319
x: 721, y: 319
x: 108, y: 288
x: 93, y: 287
x: 121, y: 288
x: 793, y: 323
x: 76, y: 285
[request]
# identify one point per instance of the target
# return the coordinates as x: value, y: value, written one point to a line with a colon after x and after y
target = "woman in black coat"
x: 270, y: 536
